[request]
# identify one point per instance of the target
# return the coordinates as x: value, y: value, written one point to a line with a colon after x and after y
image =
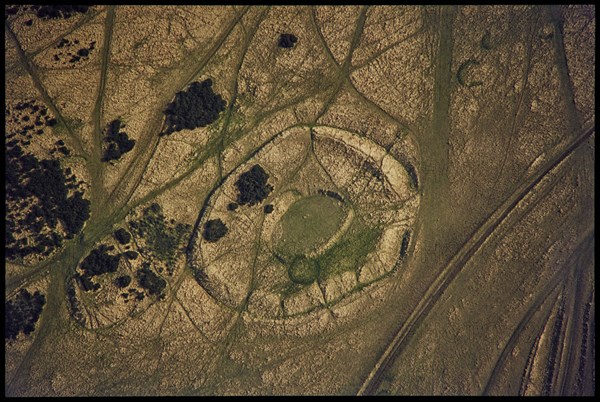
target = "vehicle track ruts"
x: 230, y: 106
x: 573, y: 119
x: 588, y: 323
x: 459, y: 260
x: 148, y: 146
x: 543, y: 294
x: 173, y: 289
x: 346, y: 80
x: 533, y: 350
x: 87, y: 17
x: 103, y: 225
x: 344, y: 69
x: 51, y: 320
x: 574, y: 338
x: 384, y: 49
x: 94, y: 164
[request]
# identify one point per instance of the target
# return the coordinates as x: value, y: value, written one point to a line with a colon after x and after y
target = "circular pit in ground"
x: 308, y: 224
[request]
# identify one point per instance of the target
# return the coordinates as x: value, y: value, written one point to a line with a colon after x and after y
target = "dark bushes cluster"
x: 287, y: 40
x: 122, y: 236
x: 39, y: 186
x: 22, y: 313
x: 74, y: 305
x: 75, y: 212
x: 252, y: 186
x: 214, y: 230
x: 117, y: 142
x: 58, y: 11
x: 163, y: 239
x: 98, y: 262
x: 123, y: 281
x: 75, y: 54
x: 130, y: 255
x: 150, y: 281
x: 47, y: 12
x: 199, y: 106
x: 331, y: 194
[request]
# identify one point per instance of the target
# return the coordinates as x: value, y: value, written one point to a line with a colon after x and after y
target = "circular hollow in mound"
x: 309, y: 223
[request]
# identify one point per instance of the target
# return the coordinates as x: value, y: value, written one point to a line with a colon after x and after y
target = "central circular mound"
x: 308, y: 224
x: 313, y: 216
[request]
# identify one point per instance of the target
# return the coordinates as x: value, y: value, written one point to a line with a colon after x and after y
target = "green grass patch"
x: 309, y: 223
x: 303, y: 270
x: 350, y: 252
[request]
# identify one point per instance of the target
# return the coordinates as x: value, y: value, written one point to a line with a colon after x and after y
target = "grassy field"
x: 350, y: 252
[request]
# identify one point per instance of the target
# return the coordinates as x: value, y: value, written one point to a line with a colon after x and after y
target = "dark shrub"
x: 153, y: 283
x: 198, y: 106
x: 22, y: 312
x: 287, y: 40
x: 122, y: 236
x: 123, y: 281
x: 214, y: 230
x: 252, y: 186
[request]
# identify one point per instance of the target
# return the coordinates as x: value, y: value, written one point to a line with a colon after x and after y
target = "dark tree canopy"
x: 122, y: 236
x: 153, y: 283
x: 252, y: 186
x: 214, y: 230
x: 58, y: 11
x: 40, y: 188
x: 198, y: 106
x: 117, y: 142
x: 74, y: 213
x: 99, y: 262
x: 287, y: 40
x: 268, y: 208
x: 162, y: 238
x: 131, y: 255
x: 123, y: 281
x: 22, y: 312
x: 48, y: 12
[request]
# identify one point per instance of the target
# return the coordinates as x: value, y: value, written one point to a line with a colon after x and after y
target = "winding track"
x: 542, y: 296
x: 459, y: 260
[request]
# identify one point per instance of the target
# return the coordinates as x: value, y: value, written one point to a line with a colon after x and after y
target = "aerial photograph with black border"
x: 299, y: 200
